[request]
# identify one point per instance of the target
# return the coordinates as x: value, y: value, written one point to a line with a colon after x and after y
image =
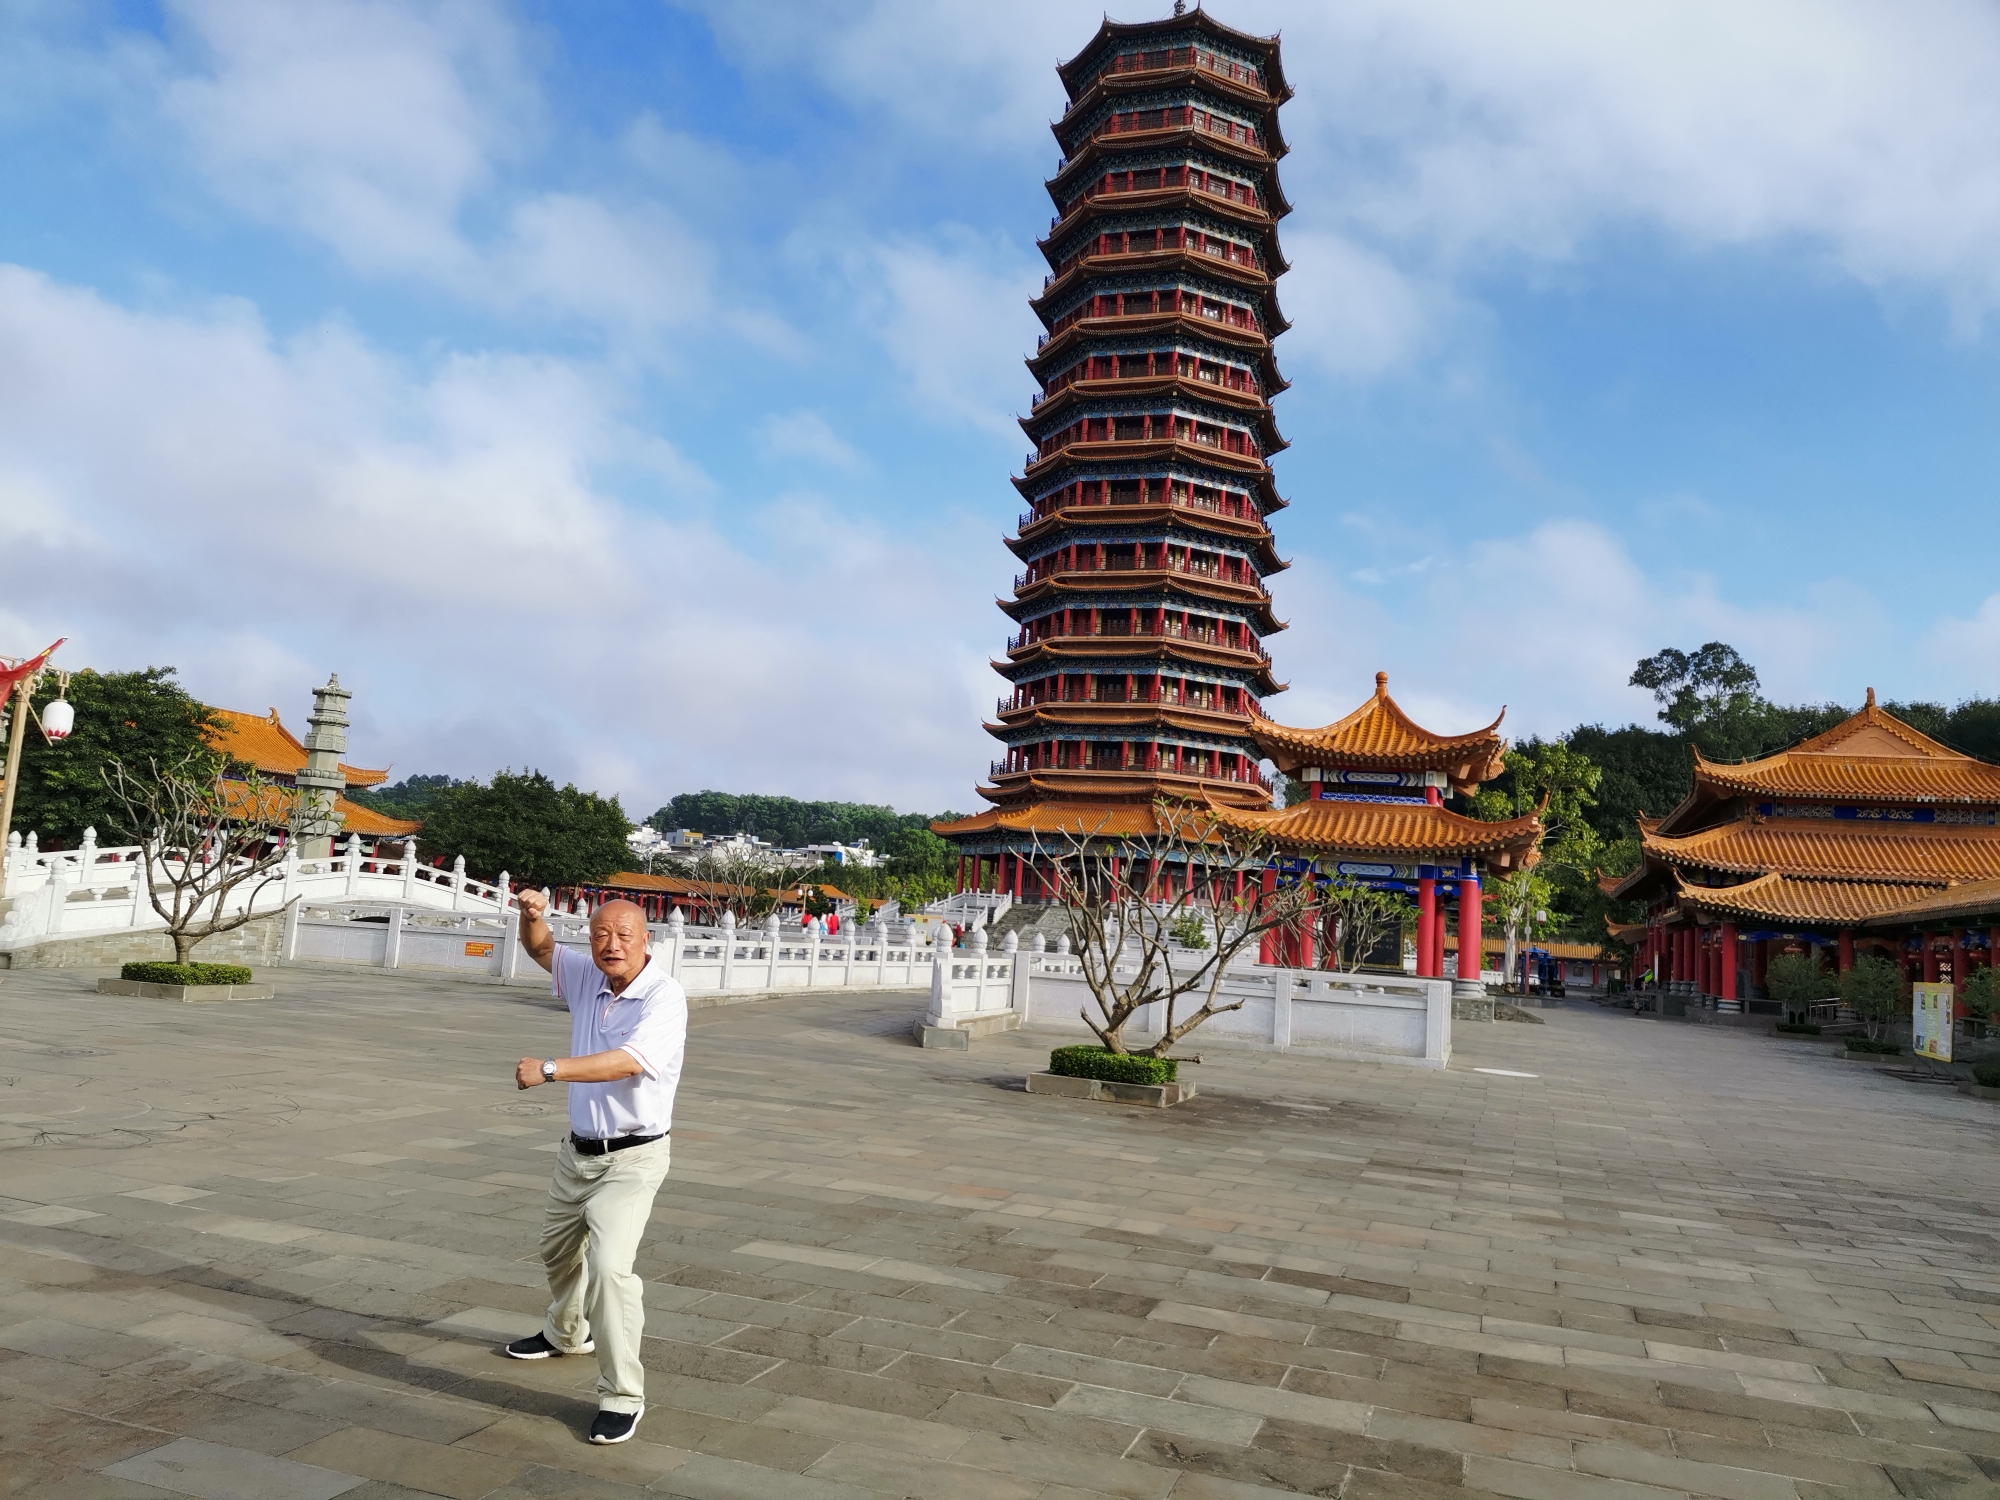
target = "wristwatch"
x: 549, y: 1071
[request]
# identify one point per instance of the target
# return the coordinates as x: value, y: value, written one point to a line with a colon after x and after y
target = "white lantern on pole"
x: 58, y: 719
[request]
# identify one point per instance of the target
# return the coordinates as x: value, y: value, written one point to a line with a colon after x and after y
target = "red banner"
x: 10, y: 677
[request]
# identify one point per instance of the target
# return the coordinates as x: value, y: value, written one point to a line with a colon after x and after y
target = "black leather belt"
x: 585, y: 1146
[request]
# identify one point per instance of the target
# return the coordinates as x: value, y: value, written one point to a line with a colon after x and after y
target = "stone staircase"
x: 1024, y: 921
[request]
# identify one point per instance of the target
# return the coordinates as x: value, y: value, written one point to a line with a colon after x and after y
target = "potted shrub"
x: 1981, y: 995
x: 1796, y: 981
x: 1986, y: 1080
x: 1874, y: 989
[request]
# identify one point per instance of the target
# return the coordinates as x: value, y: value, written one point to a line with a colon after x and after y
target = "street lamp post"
x: 18, y: 679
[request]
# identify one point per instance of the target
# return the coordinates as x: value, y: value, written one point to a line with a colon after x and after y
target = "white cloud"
x: 1456, y: 134
x: 808, y: 435
x: 953, y: 316
x: 368, y: 124
x: 260, y: 513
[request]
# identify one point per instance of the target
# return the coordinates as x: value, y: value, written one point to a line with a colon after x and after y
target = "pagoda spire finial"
x: 1381, y: 684
x: 1871, y: 697
x: 1180, y: 7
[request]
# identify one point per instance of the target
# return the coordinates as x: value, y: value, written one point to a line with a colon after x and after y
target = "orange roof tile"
x: 1081, y: 819
x: 262, y: 741
x: 1788, y: 898
x: 1379, y: 735
x: 1415, y: 828
x: 1974, y: 898
x: 1927, y: 853
x: 369, y: 823
x: 1871, y: 757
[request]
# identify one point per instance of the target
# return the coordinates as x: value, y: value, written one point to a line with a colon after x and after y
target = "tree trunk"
x: 183, y: 947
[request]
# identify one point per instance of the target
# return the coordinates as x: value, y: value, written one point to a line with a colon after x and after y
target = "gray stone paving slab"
x: 214, y: 1471
x: 1675, y: 1261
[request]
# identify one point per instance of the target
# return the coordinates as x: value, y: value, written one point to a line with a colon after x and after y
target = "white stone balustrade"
x: 92, y: 892
x: 1371, y: 1017
x: 719, y: 960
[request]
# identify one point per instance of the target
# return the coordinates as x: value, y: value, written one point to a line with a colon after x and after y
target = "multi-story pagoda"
x: 1870, y: 835
x: 1138, y: 666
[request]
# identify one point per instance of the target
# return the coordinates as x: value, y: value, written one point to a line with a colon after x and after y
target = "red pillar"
x: 1471, y: 929
x: 1270, y: 944
x: 1930, y: 959
x: 1726, y: 955
x: 959, y: 888
x: 1958, y: 964
x: 1017, y: 877
x: 1426, y: 924
x: 1437, y: 942
x: 1846, y: 949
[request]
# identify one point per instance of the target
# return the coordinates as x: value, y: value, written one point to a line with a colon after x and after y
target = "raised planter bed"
x: 1152, y: 1095
x: 190, y: 993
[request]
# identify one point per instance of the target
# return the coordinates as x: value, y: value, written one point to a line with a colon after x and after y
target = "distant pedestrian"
x: 628, y: 1034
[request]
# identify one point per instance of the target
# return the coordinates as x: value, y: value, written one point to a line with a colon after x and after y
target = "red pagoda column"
x: 1930, y: 959
x: 1427, y: 916
x: 1471, y: 929
x: 1846, y: 949
x: 1726, y: 953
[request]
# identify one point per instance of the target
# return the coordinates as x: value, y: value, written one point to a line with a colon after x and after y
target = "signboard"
x: 478, y: 950
x: 1930, y: 1021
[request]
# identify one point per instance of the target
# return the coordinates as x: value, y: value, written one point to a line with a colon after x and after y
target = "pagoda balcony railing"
x: 1209, y: 702
x: 1144, y: 630
x: 1216, y: 249
x: 1247, y: 777
x: 1232, y: 440
x: 1167, y: 58
x: 1222, y: 314
x: 1242, y: 381
x: 1239, y: 510
x: 1180, y: 117
x: 1242, y: 575
x: 1169, y: 179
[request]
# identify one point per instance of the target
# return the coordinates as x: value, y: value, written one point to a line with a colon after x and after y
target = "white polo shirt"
x: 649, y: 1021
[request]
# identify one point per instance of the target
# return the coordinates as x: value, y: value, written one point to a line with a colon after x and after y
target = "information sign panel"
x: 1930, y: 1021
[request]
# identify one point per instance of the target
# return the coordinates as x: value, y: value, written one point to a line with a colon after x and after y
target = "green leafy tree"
x: 1981, y: 992
x: 1698, y: 690
x: 1796, y: 980
x: 1554, y: 779
x: 525, y: 824
x: 1875, y: 990
x: 409, y: 798
x: 122, y: 718
x: 1356, y: 922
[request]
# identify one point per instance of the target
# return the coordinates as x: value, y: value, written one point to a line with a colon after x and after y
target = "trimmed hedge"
x: 185, y: 973
x: 1112, y: 1067
x: 1801, y: 1028
x: 1986, y: 1075
x: 1882, y: 1049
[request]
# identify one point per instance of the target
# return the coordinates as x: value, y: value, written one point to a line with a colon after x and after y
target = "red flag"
x: 10, y: 677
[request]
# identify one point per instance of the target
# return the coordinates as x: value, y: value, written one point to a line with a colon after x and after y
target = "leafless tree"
x: 208, y: 843
x: 736, y: 879
x: 1355, y: 918
x: 1127, y: 918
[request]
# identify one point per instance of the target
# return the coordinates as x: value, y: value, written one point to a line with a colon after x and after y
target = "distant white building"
x: 685, y: 843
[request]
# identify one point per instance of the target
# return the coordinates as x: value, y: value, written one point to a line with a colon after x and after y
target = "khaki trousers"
x: 598, y: 1208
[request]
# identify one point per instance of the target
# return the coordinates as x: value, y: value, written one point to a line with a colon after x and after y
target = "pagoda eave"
x: 1159, y: 513
x: 1145, y: 648
x: 1251, y: 404
x: 1135, y: 713
x: 1136, y: 786
x: 1247, y: 596
x: 1251, y: 342
x: 1251, y: 280
x: 1108, y: 145
x: 1165, y: 450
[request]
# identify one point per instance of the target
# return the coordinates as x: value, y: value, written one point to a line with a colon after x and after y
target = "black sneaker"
x: 615, y: 1426
x: 537, y: 1346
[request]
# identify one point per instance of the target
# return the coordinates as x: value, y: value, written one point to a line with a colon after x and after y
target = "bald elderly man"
x: 627, y: 1035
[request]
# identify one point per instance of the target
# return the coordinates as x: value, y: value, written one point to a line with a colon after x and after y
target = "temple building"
x: 1374, y: 813
x: 1870, y: 835
x: 1138, y: 664
x: 313, y: 765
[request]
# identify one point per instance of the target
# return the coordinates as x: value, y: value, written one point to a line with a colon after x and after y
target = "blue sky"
x: 628, y: 389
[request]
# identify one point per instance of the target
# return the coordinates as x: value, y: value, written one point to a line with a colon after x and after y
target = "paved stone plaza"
x: 267, y: 1250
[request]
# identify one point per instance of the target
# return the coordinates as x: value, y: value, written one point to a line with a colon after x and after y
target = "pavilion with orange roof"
x: 1871, y: 834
